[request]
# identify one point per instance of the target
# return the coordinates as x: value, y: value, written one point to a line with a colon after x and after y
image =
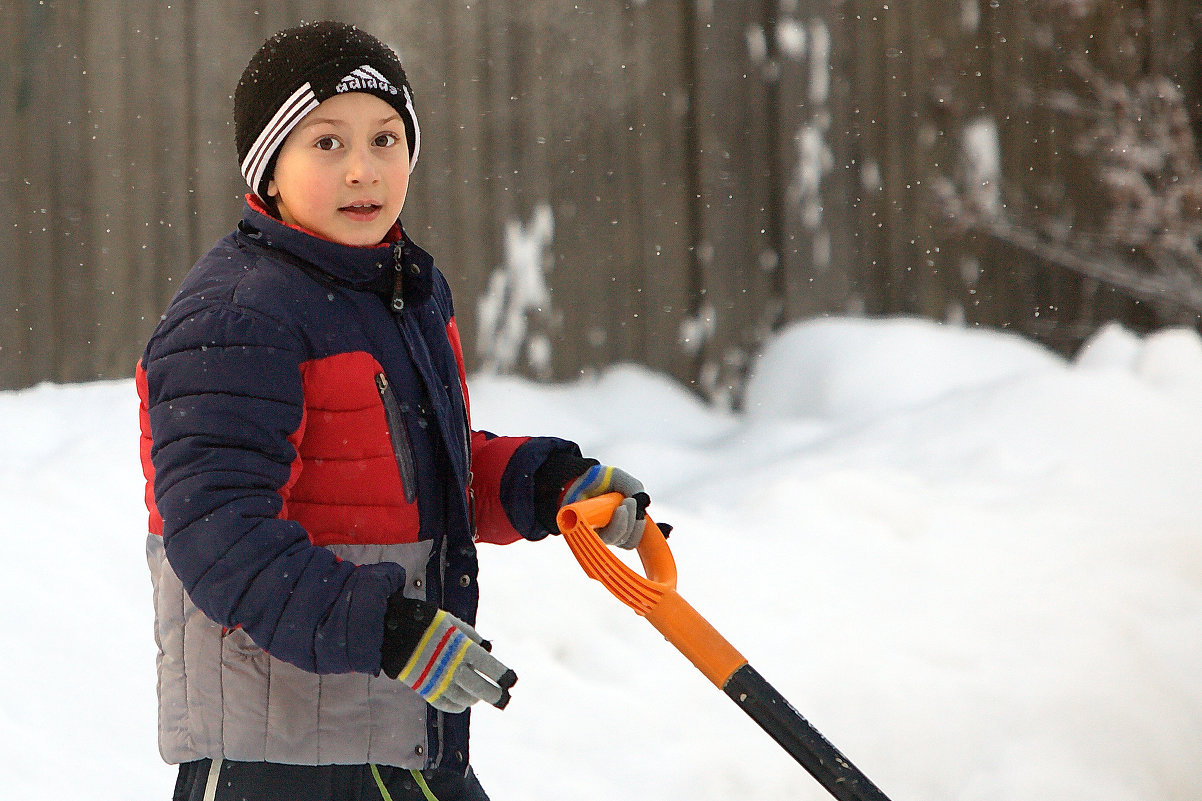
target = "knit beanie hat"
x: 297, y: 69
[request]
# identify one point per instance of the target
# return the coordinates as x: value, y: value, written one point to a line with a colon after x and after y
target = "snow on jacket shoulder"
x: 308, y: 452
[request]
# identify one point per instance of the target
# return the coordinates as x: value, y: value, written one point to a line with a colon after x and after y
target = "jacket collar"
x: 376, y: 268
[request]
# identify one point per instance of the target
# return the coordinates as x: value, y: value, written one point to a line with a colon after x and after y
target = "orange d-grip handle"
x: 654, y: 595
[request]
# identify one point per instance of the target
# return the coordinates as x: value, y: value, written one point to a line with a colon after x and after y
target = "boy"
x: 314, y: 485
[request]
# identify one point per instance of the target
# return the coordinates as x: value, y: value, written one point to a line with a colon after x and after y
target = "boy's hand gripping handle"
x: 654, y: 595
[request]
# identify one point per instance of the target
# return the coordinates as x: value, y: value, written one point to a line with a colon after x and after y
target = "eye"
x: 327, y: 143
x: 385, y: 140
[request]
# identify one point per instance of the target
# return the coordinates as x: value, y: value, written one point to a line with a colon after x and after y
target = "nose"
x: 361, y: 168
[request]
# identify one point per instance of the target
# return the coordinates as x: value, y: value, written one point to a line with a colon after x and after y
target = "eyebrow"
x: 338, y: 121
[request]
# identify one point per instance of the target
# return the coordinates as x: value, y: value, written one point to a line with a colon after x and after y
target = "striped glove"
x: 625, y: 528
x: 441, y: 658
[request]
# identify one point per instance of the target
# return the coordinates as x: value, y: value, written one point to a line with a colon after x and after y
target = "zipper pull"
x: 398, y: 284
x: 398, y: 291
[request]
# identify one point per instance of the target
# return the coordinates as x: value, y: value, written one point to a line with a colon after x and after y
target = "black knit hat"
x: 297, y: 69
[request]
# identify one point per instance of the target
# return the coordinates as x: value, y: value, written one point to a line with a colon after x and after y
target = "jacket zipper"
x: 402, y: 447
x: 471, y: 493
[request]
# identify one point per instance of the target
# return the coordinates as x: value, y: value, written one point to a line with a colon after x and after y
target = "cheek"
x: 400, y: 182
x: 305, y: 189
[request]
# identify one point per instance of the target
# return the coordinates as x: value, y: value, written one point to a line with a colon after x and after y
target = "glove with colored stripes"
x: 441, y: 658
x: 625, y: 528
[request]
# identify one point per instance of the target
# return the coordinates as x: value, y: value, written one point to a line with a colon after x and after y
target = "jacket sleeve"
x: 226, y: 411
x: 511, y: 501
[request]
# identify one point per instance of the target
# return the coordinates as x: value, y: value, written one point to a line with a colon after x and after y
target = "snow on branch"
x: 1142, y: 179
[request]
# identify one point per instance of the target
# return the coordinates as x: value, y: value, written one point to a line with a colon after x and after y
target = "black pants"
x: 269, y: 781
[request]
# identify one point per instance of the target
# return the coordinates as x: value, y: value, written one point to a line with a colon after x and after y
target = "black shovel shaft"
x: 767, y: 707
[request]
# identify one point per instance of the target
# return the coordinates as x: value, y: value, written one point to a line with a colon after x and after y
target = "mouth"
x: 361, y: 211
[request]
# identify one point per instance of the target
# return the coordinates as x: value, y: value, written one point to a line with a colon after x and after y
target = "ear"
x: 272, y: 189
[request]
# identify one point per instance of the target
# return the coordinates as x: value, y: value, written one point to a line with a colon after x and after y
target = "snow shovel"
x: 654, y: 597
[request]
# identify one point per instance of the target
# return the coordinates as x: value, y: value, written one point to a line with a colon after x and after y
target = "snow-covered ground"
x: 974, y: 566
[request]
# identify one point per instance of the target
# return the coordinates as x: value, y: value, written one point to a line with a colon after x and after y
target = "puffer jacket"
x: 308, y: 452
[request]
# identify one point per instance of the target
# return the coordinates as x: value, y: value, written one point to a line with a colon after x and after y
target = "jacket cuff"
x: 551, y: 479
x: 405, y: 621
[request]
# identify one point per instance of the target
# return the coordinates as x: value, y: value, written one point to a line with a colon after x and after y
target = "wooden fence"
x: 689, y: 175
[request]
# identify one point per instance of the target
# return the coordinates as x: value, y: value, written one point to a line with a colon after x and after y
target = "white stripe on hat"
x: 417, y: 132
x: 375, y: 73
x: 300, y: 103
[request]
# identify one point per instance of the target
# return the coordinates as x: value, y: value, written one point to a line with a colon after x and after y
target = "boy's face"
x: 343, y: 171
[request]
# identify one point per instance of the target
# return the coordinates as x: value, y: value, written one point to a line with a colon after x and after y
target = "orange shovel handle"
x: 652, y: 595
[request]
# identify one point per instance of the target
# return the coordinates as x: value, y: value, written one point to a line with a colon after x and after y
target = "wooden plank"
x: 542, y: 61
x: 545, y: 56
x: 127, y: 185
x: 446, y: 212
x: 819, y: 104
x: 947, y: 49
x: 983, y: 266
x: 502, y: 97
x: 734, y: 159
x: 867, y: 133
x: 496, y: 120
x: 15, y: 367
x: 918, y: 245
x: 65, y: 281
x: 153, y: 207
x: 580, y: 148
x: 836, y: 253
x: 171, y: 77
x: 37, y: 114
x: 659, y: 112
x: 1184, y: 24
x: 70, y: 272
x: 226, y: 36
x: 899, y: 286
x: 269, y: 18
x: 108, y: 170
x: 468, y: 232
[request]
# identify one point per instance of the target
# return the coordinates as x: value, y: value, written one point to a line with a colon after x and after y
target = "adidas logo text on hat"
x: 365, y: 78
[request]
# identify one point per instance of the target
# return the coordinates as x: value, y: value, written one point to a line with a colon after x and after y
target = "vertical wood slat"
x: 454, y: 204
x: 124, y: 183
x: 152, y: 194
x: 934, y: 286
x: 658, y: 113
x: 170, y: 76
x: 227, y: 34
x: 587, y: 146
x: 71, y: 274
x: 817, y: 157
x: 526, y: 182
x: 14, y: 365
x: 466, y: 220
x: 947, y: 48
x: 992, y: 286
x: 897, y: 149
x: 36, y: 115
x: 871, y: 281
x: 733, y: 218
